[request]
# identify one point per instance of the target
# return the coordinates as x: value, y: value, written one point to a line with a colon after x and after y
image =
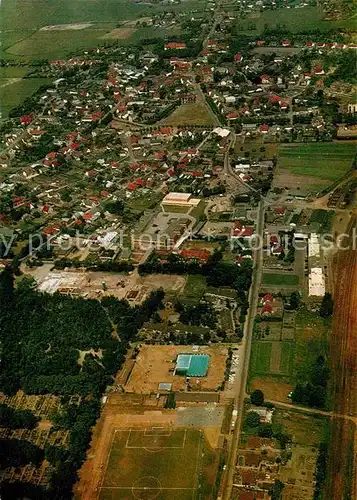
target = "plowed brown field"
x: 341, y: 481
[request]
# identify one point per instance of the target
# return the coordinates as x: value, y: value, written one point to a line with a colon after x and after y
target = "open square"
x: 154, y: 463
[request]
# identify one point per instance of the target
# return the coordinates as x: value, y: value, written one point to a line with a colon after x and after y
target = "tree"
x: 294, y: 300
x: 276, y: 490
x: 326, y: 308
x: 252, y: 419
x: 257, y: 397
x: 265, y: 430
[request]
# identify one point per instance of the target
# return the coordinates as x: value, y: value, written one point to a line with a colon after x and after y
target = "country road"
x: 227, y: 482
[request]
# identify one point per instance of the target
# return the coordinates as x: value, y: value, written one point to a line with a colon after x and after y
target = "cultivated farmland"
x: 294, y: 20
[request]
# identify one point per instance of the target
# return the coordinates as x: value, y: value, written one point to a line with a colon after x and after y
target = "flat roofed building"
x: 184, y: 200
x: 316, y: 282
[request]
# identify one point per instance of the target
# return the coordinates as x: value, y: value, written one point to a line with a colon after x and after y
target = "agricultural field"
x: 276, y: 279
x: 272, y: 358
x: 294, y: 20
x: 312, y: 166
x: 144, y: 464
x: 54, y: 44
x: 190, y: 114
x: 37, y: 28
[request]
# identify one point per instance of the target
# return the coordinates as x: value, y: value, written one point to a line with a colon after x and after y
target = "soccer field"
x: 154, y: 463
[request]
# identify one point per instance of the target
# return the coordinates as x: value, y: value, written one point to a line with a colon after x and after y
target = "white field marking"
x: 104, y: 472
x: 196, y: 471
x: 127, y: 441
x: 154, y: 447
x: 141, y: 488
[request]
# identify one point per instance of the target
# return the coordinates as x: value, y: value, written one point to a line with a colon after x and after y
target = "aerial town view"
x: 178, y: 250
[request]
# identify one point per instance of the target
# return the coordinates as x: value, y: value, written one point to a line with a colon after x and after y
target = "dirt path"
x: 341, y: 468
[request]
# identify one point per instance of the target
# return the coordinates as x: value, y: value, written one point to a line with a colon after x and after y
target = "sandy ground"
x: 120, y: 33
x: 344, y: 377
x: 64, y: 27
x: 92, y: 284
x: 113, y: 417
x: 155, y: 364
x: 286, y: 179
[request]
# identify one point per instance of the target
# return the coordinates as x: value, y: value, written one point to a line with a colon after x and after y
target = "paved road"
x: 227, y: 482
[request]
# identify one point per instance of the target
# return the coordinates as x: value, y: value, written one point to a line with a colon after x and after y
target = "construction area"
x: 96, y: 284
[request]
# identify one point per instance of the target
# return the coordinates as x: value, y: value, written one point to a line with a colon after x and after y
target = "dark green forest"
x: 41, y: 336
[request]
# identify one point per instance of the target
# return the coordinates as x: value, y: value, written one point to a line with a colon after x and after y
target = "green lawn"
x: 260, y: 359
x: 225, y: 317
x: 327, y: 161
x: 194, y: 289
x: 287, y: 358
x: 280, y: 279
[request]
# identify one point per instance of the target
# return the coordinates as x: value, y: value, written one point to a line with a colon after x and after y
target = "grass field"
x: 190, y: 114
x: 260, y: 358
x: 13, y: 93
x: 225, y: 317
x: 162, y: 463
x: 194, y: 289
x: 312, y: 334
x: 280, y: 279
x: 53, y: 44
x: 326, y: 161
x: 294, y: 20
x: 287, y: 358
x: 272, y: 358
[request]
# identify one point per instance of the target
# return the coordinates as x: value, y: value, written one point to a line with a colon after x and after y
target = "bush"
x: 252, y: 419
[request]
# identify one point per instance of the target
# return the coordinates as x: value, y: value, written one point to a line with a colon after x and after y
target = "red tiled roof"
x: 175, y: 45
x: 192, y: 253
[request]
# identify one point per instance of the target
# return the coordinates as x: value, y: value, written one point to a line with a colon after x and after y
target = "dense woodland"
x: 41, y: 336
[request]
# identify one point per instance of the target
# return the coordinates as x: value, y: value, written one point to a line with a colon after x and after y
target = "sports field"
x: 155, y: 463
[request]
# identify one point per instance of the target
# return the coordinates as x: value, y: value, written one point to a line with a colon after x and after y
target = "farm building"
x: 192, y: 365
